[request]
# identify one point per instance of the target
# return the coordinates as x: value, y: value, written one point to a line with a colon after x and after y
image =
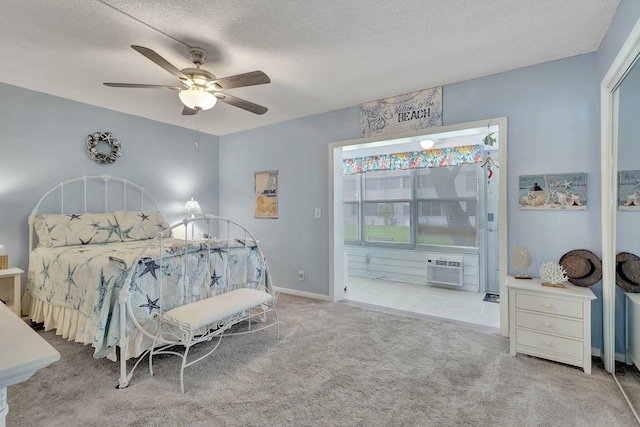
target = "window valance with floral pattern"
x: 435, y: 158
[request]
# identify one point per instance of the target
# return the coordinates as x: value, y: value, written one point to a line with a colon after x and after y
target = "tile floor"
x: 452, y: 304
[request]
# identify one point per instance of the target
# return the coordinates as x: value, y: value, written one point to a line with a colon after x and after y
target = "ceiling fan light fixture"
x: 197, y: 98
x: 427, y: 143
x: 198, y: 83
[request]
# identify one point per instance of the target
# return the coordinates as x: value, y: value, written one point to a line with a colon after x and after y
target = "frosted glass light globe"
x: 197, y: 98
x: 427, y: 143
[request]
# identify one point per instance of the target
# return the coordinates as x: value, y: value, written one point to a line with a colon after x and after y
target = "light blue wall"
x: 298, y: 149
x: 553, y: 124
x: 42, y: 141
x: 621, y: 25
x: 553, y: 127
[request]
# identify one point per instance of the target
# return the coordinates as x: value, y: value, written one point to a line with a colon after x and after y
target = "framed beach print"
x: 266, y: 194
x: 563, y: 191
x: 629, y: 190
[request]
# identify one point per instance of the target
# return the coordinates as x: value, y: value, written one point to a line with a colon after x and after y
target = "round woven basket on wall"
x: 583, y: 267
x: 628, y: 272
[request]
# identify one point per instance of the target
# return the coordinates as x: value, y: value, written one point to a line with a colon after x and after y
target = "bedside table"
x: 14, y: 304
x: 551, y: 323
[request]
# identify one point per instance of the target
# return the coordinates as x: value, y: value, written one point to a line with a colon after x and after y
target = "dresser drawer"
x: 549, y: 305
x: 544, y: 324
x: 551, y: 344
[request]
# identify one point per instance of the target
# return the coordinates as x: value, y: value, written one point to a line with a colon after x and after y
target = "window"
x: 447, y: 201
x: 387, y: 185
x: 412, y: 207
x: 351, y: 222
x: 351, y: 199
x: 387, y: 207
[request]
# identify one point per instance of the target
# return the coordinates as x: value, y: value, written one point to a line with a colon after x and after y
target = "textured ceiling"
x: 321, y: 55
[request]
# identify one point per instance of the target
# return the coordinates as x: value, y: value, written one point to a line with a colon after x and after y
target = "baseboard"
x: 597, y: 352
x: 302, y: 293
x: 621, y: 357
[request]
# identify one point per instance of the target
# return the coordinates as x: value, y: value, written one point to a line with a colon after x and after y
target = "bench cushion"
x: 211, y: 310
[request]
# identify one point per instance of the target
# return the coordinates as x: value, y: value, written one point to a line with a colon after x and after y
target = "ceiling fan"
x: 200, y: 89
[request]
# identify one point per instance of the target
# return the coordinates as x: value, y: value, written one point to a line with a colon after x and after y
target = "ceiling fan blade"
x: 145, y: 86
x: 241, y: 103
x: 186, y: 111
x: 240, y: 80
x: 159, y: 60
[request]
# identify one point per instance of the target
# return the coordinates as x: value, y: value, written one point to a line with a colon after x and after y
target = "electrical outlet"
x: 367, y: 258
x: 301, y: 275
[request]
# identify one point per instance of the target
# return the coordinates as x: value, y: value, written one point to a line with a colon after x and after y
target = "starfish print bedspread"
x: 88, y: 278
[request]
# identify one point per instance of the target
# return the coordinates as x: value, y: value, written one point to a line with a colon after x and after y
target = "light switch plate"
x: 318, y: 213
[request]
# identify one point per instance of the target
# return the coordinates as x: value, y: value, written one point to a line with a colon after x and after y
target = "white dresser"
x: 22, y: 353
x: 633, y: 328
x: 552, y: 323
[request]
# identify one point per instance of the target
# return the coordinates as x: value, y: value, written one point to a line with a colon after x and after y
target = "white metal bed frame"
x: 126, y: 310
x: 186, y: 336
x: 144, y: 195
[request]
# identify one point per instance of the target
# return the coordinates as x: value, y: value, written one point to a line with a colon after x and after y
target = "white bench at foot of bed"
x: 210, y: 318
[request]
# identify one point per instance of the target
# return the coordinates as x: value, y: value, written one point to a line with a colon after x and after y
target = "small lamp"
x: 192, y: 207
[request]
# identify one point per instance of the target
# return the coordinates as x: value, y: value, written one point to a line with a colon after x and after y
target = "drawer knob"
x: 547, y: 343
x: 547, y: 324
x: 547, y: 305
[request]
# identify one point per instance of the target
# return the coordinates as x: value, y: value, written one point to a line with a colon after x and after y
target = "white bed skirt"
x: 74, y: 326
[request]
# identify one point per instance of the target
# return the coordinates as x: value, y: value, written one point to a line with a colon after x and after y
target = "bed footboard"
x: 229, y: 264
x: 210, y: 318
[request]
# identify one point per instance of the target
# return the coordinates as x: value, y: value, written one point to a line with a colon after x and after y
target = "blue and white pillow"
x: 56, y: 230
x: 138, y: 225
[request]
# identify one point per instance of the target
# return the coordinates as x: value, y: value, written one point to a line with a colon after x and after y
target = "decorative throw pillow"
x: 44, y: 240
x: 77, y: 229
x: 137, y: 225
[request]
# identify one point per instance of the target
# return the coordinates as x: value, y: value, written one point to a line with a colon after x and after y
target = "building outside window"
x: 412, y: 207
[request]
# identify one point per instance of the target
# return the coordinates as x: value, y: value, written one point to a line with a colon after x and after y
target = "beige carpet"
x: 335, y: 365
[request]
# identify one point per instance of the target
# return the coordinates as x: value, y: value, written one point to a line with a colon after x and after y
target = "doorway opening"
x: 422, y: 299
x: 386, y: 252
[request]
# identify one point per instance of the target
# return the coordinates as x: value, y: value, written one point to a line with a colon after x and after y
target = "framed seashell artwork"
x: 629, y: 190
x: 562, y: 191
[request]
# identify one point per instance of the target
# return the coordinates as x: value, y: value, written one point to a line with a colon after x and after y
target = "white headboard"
x: 93, y: 194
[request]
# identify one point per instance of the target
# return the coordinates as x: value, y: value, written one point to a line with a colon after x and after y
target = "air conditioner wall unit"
x: 445, y: 270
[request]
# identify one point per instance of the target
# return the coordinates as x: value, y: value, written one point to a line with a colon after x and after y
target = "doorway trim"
x: 336, y: 225
x: 620, y: 66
